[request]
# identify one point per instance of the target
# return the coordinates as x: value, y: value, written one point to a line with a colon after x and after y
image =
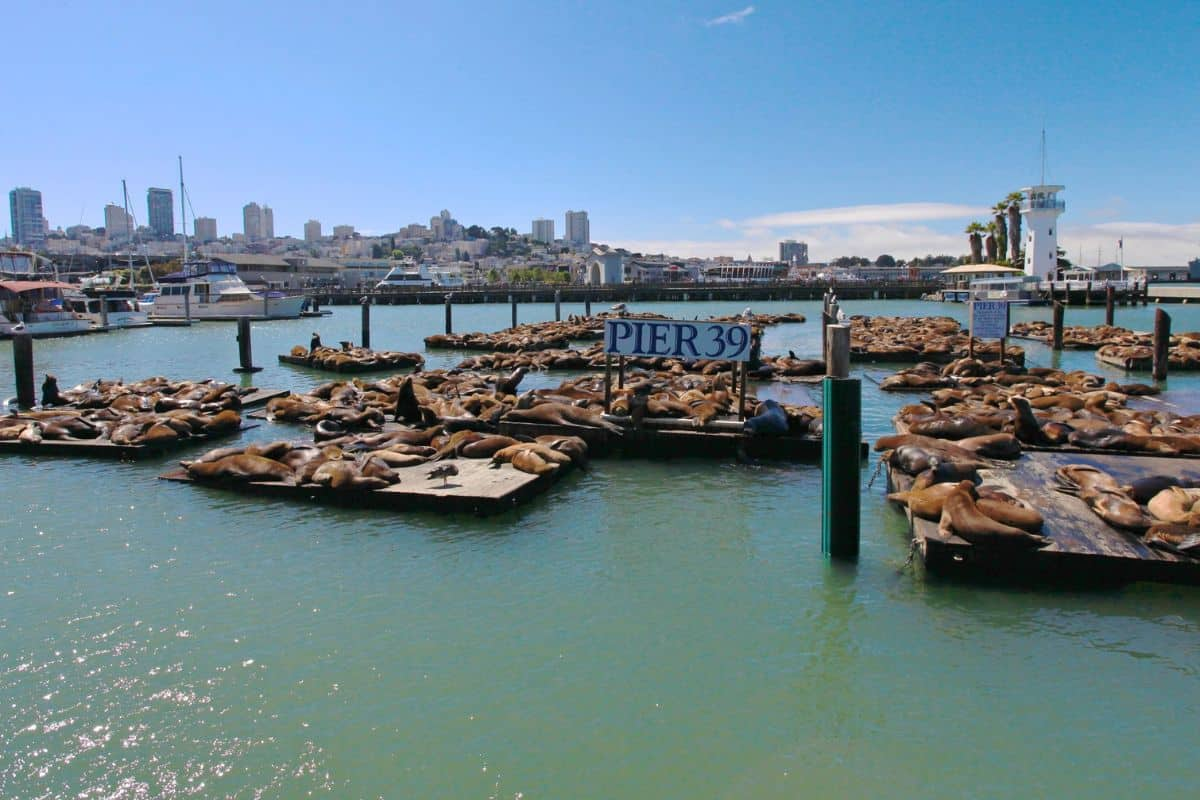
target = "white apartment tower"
x: 1041, y: 209
x: 252, y: 222
x: 118, y: 224
x: 578, y: 230
x: 543, y: 231
x: 205, y: 229
x: 312, y: 230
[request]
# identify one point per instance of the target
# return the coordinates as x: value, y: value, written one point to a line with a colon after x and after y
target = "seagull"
x: 747, y: 313
x: 443, y: 471
x: 841, y: 316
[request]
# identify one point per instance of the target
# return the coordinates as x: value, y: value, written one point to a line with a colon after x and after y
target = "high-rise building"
x: 268, y: 222
x: 793, y: 252
x: 28, y: 224
x: 118, y: 224
x: 543, y: 231
x: 343, y: 231
x: 205, y: 229
x: 578, y: 229
x: 160, y: 204
x: 312, y: 230
x: 252, y: 224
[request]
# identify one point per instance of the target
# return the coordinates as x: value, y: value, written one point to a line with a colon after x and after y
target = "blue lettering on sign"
x: 677, y: 339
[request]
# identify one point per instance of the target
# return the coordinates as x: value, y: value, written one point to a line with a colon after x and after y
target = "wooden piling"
x: 587, y: 307
x: 187, y: 303
x: 840, y: 449
x: 1162, y: 343
x: 1058, y: 327
x: 366, y: 322
x: 1109, y: 296
x: 449, y: 315
x: 104, y: 311
x: 513, y: 300
x: 245, y: 356
x: 557, y: 305
x: 22, y: 346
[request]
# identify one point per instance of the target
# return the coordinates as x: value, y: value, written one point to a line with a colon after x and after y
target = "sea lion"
x: 1143, y: 489
x: 1174, y: 504
x: 533, y: 463
x: 1117, y: 509
x: 344, y: 475
x: 1003, y: 507
x: 1026, y: 426
x: 769, y: 420
x: 486, y: 447
x: 242, y: 468
x: 227, y: 420
x: 953, y: 428
x: 407, y: 408
x: 925, y: 503
x: 50, y: 393
x: 1173, y: 537
x: 996, y: 445
x: 961, y: 517
x: 562, y: 414
x: 573, y: 446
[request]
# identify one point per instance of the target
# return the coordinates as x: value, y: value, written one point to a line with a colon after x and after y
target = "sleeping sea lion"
x: 533, y: 463
x: 952, y: 428
x: 344, y: 475
x: 962, y: 518
x: 562, y: 414
x: 242, y: 468
x: 1003, y: 507
x: 925, y: 503
x: 1174, y: 504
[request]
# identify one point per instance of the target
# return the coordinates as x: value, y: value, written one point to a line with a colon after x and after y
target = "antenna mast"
x: 183, y: 210
x: 1043, y: 156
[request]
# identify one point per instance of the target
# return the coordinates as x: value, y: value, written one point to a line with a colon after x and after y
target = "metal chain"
x: 875, y: 474
x: 912, y: 554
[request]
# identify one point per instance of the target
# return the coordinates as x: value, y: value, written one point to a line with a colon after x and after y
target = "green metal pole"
x: 841, y: 467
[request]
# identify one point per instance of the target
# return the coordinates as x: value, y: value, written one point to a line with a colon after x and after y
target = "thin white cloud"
x: 734, y: 18
x: 868, y: 214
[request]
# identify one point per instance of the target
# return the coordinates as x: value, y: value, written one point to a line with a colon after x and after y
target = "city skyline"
x: 694, y: 129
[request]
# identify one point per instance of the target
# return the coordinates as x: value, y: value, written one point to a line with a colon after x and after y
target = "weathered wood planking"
x: 260, y: 397
x: 95, y: 448
x: 1084, y: 546
x: 477, y: 489
x: 348, y: 368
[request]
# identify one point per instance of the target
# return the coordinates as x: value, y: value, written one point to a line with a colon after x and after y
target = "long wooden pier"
x: 1085, y: 548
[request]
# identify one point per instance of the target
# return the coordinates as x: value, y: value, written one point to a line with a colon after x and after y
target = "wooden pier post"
x: 366, y: 322
x: 1087, y: 298
x: 245, y: 358
x: 449, y: 314
x: 607, y: 382
x: 1058, y: 327
x: 1109, y: 297
x: 187, y: 303
x: 513, y: 300
x: 840, y: 449
x: 557, y: 305
x: 22, y: 346
x: 587, y: 306
x: 1162, y: 343
x: 104, y: 311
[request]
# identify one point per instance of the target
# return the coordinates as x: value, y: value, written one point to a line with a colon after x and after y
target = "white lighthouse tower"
x: 1041, y: 208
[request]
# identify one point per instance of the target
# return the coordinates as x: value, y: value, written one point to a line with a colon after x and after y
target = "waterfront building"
x: 312, y: 230
x: 205, y: 229
x: 543, y: 231
x: 793, y: 253
x: 343, y: 231
x: 28, y: 225
x: 160, y: 207
x: 252, y: 222
x: 1040, y: 210
x: 578, y: 230
x: 118, y: 224
x: 605, y: 268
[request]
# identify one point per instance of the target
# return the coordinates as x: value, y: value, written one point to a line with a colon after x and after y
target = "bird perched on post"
x: 443, y: 471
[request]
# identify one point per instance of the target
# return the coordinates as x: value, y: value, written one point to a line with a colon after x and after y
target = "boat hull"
x: 172, y: 308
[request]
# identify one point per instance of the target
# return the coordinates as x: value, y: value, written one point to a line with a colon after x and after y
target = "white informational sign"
x: 689, y: 341
x: 989, y: 319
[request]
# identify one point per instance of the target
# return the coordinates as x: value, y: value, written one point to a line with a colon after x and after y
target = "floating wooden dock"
x: 260, y: 397
x: 351, y: 367
x: 477, y: 489
x: 95, y: 448
x: 1085, y: 548
x: 655, y: 440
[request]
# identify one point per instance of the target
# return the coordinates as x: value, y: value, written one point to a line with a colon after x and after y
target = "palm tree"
x: 975, y: 240
x: 1014, y: 227
x: 989, y: 242
x: 998, y: 220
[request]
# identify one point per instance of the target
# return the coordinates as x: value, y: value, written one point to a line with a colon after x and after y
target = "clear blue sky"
x: 669, y: 124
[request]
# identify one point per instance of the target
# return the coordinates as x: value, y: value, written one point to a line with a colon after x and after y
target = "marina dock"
x: 477, y: 489
x: 1085, y: 549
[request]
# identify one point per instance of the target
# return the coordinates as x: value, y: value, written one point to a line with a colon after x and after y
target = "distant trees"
x: 476, y: 232
x: 412, y: 251
x: 974, y: 233
x: 885, y: 261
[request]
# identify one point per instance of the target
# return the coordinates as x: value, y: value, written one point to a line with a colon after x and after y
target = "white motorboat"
x: 38, y: 308
x: 209, y: 290
x: 1016, y: 289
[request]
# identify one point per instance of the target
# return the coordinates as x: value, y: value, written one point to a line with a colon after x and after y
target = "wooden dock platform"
x: 659, y: 441
x: 477, y: 489
x: 348, y: 368
x: 92, y: 448
x: 260, y: 397
x: 1085, y: 549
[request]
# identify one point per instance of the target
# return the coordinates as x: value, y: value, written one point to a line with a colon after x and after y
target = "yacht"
x: 405, y: 275
x: 108, y: 304
x: 1016, y: 289
x: 30, y: 303
x: 212, y: 290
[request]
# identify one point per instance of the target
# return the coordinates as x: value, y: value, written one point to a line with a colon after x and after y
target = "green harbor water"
x: 648, y: 629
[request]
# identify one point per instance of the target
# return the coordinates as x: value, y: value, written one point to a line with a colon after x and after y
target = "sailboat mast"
x: 129, y: 228
x: 1043, y: 156
x: 183, y: 210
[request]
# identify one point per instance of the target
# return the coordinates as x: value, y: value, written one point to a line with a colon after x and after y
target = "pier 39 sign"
x: 690, y: 341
